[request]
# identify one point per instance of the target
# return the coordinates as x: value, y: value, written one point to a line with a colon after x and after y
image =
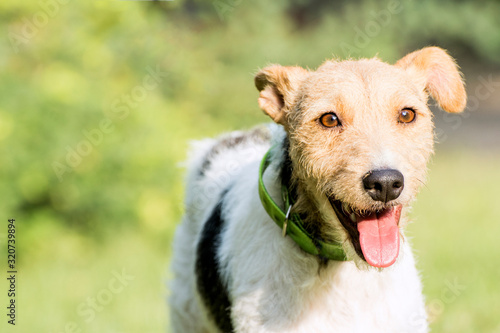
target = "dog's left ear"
x: 278, y: 86
x: 439, y: 76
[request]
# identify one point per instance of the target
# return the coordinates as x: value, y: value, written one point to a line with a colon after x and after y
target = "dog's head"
x: 360, y: 135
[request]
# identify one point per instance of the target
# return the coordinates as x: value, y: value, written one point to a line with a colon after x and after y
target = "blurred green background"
x: 98, y: 102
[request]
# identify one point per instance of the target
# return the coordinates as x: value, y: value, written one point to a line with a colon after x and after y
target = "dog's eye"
x: 406, y: 115
x: 329, y: 120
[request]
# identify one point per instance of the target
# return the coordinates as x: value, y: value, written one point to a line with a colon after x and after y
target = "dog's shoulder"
x: 214, y: 164
x: 235, y: 148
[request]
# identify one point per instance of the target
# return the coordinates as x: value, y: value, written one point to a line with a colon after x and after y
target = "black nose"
x: 384, y: 185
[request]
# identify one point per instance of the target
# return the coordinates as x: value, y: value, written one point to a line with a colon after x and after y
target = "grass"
x: 63, y: 274
x: 455, y: 236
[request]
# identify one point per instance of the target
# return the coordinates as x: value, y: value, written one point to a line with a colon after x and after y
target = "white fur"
x: 273, y: 285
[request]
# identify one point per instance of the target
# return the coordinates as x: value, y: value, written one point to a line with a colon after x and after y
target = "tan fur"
x: 440, y: 76
x: 367, y: 96
x: 277, y: 86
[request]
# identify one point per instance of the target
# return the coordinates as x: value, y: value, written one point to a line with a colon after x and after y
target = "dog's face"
x: 360, y: 136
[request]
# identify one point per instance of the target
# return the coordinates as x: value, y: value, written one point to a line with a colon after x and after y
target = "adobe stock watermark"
x: 120, y: 108
x: 88, y: 309
x: 436, y: 307
x: 483, y: 91
x: 365, y: 34
x: 31, y: 26
x: 225, y: 7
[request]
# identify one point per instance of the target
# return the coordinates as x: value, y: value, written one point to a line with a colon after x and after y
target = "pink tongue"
x: 379, y: 237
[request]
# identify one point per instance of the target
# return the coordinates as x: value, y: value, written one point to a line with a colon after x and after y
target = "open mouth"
x: 374, y: 235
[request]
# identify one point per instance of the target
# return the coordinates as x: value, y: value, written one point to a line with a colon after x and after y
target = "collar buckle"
x: 291, y: 223
x: 287, y: 217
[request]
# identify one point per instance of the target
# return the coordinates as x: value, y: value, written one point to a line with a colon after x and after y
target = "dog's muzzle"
x: 375, y: 234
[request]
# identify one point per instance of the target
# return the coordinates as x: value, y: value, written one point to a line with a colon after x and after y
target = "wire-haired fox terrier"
x: 299, y: 227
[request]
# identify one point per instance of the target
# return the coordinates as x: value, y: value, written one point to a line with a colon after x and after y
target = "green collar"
x: 291, y: 224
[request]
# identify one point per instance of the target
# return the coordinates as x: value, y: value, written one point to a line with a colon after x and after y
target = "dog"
x: 299, y: 226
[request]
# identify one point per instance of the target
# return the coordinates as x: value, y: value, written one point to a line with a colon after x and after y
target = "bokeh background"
x: 99, y: 100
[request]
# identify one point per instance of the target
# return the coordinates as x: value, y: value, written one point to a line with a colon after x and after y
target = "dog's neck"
x: 304, y: 204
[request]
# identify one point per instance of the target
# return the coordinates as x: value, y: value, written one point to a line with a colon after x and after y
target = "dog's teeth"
x: 346, y: 208
x: 353, y: 217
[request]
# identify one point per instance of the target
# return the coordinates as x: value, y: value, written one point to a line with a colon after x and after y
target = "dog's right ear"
x: 278, y: 86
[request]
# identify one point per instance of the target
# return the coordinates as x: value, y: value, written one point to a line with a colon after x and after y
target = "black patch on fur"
x: 213, y: 291
x: 225, y: 143
x: 286, y: 168
x: 257, y: 135
x: 311, y: 219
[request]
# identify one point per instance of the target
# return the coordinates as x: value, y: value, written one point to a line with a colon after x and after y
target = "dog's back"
x: 213, y: 164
